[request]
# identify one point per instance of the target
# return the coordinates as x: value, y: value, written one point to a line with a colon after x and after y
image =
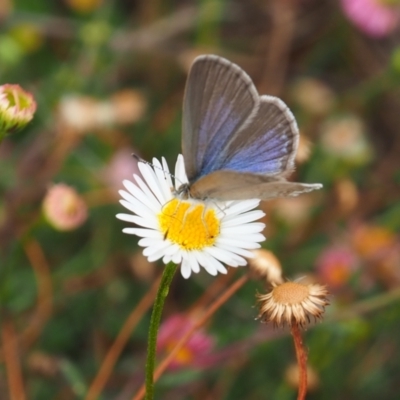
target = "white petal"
x: 148, y: 242
x: 147, y: 198
x: 241, y: 207
x: 218, y: 265
x: 186, y: 269
x: 146, y: 223
x: 150, y: 197
x: 152, y: 181
x: 177, y: 257
x: 238, y: 243
x: 167, y: 173
x: 228, y: 257
x: 162, y: 177
x: 136, y: 206
x: 180, y: 174
x: 236, y: 250
x: 166, y: 259
x: 243, y: 218
x: 242, y: 229
x: 191, y: 258
x: 203, y: 260
x: 143, y: 232
x: 160, y: 246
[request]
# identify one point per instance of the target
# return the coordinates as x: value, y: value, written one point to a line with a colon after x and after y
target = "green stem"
x: 162, y: 293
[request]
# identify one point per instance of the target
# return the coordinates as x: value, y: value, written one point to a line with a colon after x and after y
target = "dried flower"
x: 197, y: 352
x: 344, y: 137
x: 265, y: 265
x: 376, y: 18
x: 293, y: 302
x: 84, y: 113
x: 16, y: 108
x: 63, y: 208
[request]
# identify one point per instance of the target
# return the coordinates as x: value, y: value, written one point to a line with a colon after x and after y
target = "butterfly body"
x: 236, y: 144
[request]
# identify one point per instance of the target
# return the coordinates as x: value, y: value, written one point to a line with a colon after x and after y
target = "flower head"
x: 293, y: 302
x: 197, y: 352
x: 266, y: 266
x: 192, y: 232
x: 376, y: 18
x: 63, y: 208
x: 16, y: 108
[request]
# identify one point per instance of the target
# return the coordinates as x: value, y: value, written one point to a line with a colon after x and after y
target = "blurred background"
x: 108, y: 78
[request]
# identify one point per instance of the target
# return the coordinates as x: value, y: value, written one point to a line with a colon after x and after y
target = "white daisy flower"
x: 188, y: 231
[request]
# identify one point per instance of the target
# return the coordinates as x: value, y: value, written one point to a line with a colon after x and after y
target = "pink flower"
x: 373, y: 17
x: 335, y: 266
x: 121, y: 166
x: 197, y: 352
x: 63, y: 208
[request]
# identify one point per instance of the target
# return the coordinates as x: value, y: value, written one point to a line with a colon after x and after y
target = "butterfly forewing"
x: 268, y: 144
x: 220, y: 99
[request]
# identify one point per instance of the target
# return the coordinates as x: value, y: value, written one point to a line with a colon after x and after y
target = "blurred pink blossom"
x: 376, y: 18
x: 64, y: 208
x: 196, y: 353
x: 336, y: 265
x: 121, y: 166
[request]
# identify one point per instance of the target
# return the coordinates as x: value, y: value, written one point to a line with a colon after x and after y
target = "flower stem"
x: 301, y: 361
x: 162, y: 293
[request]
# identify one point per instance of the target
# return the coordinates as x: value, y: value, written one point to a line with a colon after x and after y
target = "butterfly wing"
x: 267, y: 145
x: 232, y: 185
x: 220, y: 98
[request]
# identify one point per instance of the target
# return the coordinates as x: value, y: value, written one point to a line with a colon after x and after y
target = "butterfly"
x: 236, y: 144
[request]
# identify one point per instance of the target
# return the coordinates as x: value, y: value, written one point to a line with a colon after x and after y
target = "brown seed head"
x: 293, y: 302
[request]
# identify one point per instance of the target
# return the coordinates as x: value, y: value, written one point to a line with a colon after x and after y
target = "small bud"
x: 63, y: 208
x: 265, y: 266
x: 16, y: 108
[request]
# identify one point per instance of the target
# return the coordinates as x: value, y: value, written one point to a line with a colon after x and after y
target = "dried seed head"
x: 293, y: 302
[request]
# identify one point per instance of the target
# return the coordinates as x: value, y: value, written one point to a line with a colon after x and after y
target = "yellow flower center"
x: 190, y: 226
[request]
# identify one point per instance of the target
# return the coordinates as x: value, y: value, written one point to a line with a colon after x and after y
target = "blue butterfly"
x: 236, y: 144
